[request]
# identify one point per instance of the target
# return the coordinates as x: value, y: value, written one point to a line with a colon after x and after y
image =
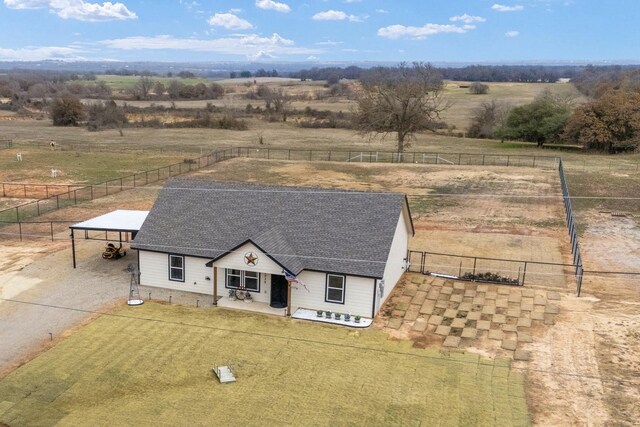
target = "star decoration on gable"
x: 251, y: 259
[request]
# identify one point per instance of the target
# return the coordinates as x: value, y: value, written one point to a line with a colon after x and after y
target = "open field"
x: 142, y: 364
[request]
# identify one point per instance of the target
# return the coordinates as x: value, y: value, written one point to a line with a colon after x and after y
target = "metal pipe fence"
x: 6, y: 143
x: 34, y: 191
x: 571, y: 225
x: 490, y: 270
x: 90, y: 192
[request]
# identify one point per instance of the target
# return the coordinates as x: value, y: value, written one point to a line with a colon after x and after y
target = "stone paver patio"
x: 463, y: 313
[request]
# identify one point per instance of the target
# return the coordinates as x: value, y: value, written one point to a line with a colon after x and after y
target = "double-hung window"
x: 176, y: 268
x: 240, y: 279
x: 335, y: 288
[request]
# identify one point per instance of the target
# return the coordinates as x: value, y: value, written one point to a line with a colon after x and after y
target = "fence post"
x: 146, y: 177
x: 524, y: 273
x: 51, y: 224
x: 20, y: 230
x: 475, y: 260
x: 57, y: 202
x: 483, y: 160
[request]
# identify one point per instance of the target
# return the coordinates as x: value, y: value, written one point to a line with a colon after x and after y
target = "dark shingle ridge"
x: 301, y: 228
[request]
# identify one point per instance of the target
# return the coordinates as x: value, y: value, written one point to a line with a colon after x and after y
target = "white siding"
x: 154, y: 271
x: 396, y: 260
x: 358, y: 294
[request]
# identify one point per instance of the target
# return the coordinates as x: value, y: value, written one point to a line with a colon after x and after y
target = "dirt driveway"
x: 33, y: 292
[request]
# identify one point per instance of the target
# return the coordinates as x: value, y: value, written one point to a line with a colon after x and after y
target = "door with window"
x: 279, y: 291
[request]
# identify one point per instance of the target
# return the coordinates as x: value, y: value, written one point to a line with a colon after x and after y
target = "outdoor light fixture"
x: 207, y: 278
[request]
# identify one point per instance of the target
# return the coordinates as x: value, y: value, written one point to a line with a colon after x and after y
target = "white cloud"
x: 273, y: 5
x: 335, y: 15
x: 512, y: 33
x: 229, y: 21
x: 77, y: 9
x: 41, y: 53
x: 467, y: 19
x: 328, y: 43
x: 503, y: 8
x: 250, y: 45
x: 382, y: 11
x: 311, y: 58
x: 397, y: 31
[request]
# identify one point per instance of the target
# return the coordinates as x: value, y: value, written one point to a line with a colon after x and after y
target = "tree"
x: 487, y: 118
x: 106, y: 115
x: 159, y: 89
x: 401, y: 100
x: 66, y: 110
x: 478, y: 88
x: 142, y: 87
x: 541, y: 121
x: 610, y: 123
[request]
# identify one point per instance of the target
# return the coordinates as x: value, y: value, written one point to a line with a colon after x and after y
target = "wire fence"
x: 90, y: 192
x: 491, y: 270
x: 571, y: 225
x: 35, y: 191
x: 6, y: 143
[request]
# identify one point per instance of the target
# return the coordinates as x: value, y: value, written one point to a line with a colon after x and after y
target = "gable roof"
x: 348, y: 232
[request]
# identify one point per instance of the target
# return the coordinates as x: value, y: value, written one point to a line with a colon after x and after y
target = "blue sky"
x: 321, y: 30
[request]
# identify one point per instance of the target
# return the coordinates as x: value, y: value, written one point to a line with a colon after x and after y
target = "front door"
x: 278, y: 291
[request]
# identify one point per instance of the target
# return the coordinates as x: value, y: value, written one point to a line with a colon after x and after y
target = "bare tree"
x: 143, y: 87
x: 478, y: 88
x: 402, y: 100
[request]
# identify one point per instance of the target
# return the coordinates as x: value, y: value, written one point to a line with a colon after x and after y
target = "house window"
x: 176, y: 268
x: 335, y: 289
x: 239, y: 279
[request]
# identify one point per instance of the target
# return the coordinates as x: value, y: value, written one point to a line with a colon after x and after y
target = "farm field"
x: 160, y: 359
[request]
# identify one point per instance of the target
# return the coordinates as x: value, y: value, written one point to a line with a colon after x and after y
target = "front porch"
x: 255, y: 306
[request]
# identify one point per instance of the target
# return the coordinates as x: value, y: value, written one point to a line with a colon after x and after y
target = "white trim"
x: 173, y: 268
x: 341, y: 288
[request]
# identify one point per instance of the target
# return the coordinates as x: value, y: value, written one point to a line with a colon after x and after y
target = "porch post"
x: 288, y: 299
x: 73, y: 248
x: 215, y: 285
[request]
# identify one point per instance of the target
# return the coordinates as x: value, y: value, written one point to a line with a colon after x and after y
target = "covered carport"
x: 124, y: 222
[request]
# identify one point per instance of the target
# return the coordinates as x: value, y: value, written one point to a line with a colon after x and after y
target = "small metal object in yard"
x: 50, y: 336
x: 224, y: 374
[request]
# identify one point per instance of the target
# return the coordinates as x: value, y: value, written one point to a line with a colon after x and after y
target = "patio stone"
x: 509, y: 328
x: 419, y: 298
x: 412, y: 313
x: 450, y: 313
x: 522, y: 355
x: 458, y: 285
x: 470, y: 293
x: 443, y: 330
x: 482, y: 288
x: 410, y: 292
x: 491, y: 295
x: 499, y: 318
x: 515, y: 297
x: 426, y: 285
x: 489, y: 309
x: 509, y: 344
x: 442, y: 304
x: 524, y: 337
x: 502, y: 303
x: 417, y: 279
x: 503, y: 290
x: 435, y: 320
x: 446, y: 290
x: 456, y: 298
x: 554, y: 296
x: 527, y: 307
x: 539, y: 300
x: 549, y: 320
x: 427, y: 307
x: 420, y: 325
x: 474, y: 315
x: 402, y: 306
x: 433, y: 293
x: 483, y: 325
x: 496, y: 334
x: 394, y: 323
x: 513, y: 312
x: 523, y: 322
x: 458, y: 323
x: 528, y: 293
x: 465, y: 306
x: 438, y: 281
x: 478, y: 300
x: 451, y: 341
x: 527, y: 301
x: 552, y: 309
x: 537, y: 315
x: 469, y: 332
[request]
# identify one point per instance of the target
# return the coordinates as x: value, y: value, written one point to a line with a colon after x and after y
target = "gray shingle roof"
x: 337, y: 231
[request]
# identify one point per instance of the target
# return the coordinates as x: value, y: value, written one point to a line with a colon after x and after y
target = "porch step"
x: 224, y: 374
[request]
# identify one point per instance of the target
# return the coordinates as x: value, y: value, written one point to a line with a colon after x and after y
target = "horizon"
x: 485, y: 32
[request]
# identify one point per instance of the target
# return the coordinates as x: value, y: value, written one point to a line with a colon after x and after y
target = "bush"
x: 66, y: 110
x: 106, y: 115
x: 478, y: 88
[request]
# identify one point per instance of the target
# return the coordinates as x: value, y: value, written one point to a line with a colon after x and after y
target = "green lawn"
x: 127, y: 82
x: 152, y: 364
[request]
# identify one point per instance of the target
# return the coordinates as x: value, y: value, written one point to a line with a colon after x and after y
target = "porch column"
x: 288, y: 298
x: 73, y: 248
x: 215, y: 285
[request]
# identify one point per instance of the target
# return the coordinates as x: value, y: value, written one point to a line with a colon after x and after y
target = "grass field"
x: 154, y: 362
x: 127, y: 82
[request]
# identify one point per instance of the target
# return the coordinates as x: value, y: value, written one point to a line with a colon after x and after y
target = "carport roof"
x: 120, y: 220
